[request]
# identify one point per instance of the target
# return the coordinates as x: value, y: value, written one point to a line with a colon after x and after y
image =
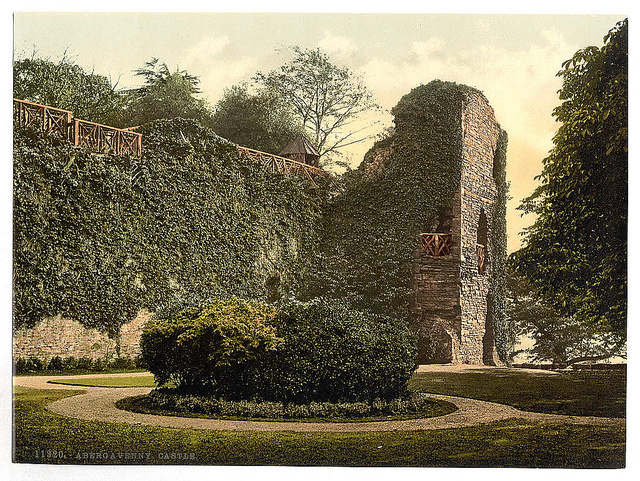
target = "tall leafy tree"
x: 326, y: 98
x: 165, y: 95
x: 561, y: 340
x: 575, y: 253
x: 65, y: 85
x: 261, y: 121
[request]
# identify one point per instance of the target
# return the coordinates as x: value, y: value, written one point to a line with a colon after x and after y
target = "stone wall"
x: 478, y: 193
x: 450, y: 292
x: 56, y: 336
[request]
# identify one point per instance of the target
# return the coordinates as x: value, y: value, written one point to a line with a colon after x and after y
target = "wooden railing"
x: 437, y: 244
x: 61, y: 123
x: 281, y: 165
x: 482, y: 258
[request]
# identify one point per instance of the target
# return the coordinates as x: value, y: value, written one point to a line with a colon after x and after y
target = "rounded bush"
x: 321, y: 350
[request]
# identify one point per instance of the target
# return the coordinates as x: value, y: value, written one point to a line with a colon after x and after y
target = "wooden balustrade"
x: 49, y: 120
x: 61, y: 123
x: 281, y: 165
x: 102, y: 138
x: 481, y: 251
x: 437, y: 244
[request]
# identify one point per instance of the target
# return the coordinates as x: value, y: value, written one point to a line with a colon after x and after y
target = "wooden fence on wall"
x: 82, y: 133
x: 104, y: 139
x: 282, y: 165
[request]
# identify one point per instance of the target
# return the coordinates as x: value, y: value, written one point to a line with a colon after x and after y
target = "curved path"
x: 98, y: 404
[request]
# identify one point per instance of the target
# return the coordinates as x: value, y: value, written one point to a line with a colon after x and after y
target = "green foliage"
x: 195, y: 349
x: 558, y: 339
x: 261, y: 121
x: 57, y: 364
x: 67, y: 86
x: 320, y: 351
x: 165, y: 95
x: 97, y: 238
x: 325, y: 97
x: 402, y: 188
x: 331, y: 352
x: 576, y: 251
x: 497, y: 299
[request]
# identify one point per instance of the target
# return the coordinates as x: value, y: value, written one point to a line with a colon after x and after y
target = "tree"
x: 575, y: 252
x: 560, y: 339
x: 326, y: 98
x: 65, y: 85
x: 165, y: 95
x: 261, y: 121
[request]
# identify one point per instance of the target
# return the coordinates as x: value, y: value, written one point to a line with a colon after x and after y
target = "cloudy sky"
x: 513, y: 59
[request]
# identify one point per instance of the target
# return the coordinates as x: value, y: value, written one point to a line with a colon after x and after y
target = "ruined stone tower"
x: 452, y: 264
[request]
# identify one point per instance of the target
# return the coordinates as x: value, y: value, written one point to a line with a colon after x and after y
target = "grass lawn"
x: 576, y: 393
x: 120, y: 381
x: 44, y: 437
x: 580, y: 393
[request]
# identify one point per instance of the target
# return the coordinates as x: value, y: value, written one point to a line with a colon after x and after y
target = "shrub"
x: 321, y: 350
x: 331, y: 352
x: 56, y: 363
x: 34, y: 364
x: 123, y: 363
x: 205, y: 349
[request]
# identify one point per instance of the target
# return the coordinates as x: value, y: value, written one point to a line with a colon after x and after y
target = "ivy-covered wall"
x: 443, y: 163
x: 97, y: 238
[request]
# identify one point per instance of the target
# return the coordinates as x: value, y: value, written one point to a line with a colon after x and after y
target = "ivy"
x: 98, y: 237
x: 496, y: 305
x: 402, y: 188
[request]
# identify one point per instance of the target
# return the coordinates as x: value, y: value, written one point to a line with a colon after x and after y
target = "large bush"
x: 320, y: 350
x: 202, y: 348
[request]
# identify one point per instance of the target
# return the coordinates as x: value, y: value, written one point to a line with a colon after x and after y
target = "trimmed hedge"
x: 33, y: 364
x: 167, y: 402
x: 331, y: 352
x: 321, y: 350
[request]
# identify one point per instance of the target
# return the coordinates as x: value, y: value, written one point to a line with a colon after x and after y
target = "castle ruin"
x: 452, y: 267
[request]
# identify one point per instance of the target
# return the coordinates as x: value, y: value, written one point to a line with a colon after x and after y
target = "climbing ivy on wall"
x: 97, y: 237
x: 404, y: 187
x: 496, y: 305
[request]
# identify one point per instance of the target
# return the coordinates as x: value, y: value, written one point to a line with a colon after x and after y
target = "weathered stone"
x: 459, y: 334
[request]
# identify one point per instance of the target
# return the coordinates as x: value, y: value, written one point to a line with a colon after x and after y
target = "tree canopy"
x: 575, y: 253
x: 165, y: 95
x: 326, y: 98
x: 65, y: 85
x: 261, y: 121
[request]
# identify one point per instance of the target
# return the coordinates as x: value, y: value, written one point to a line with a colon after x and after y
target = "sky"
x: 512, y: 58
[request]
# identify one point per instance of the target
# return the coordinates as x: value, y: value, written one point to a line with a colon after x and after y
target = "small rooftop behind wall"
x: 302, y: 150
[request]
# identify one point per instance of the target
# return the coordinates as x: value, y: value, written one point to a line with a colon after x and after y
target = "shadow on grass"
x: 573, y: 393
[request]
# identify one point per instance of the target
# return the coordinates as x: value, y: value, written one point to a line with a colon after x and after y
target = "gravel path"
x: 98, y: 404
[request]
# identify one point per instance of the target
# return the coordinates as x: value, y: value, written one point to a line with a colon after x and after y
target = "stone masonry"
x: 450, y: 291
x: 56, y: 336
